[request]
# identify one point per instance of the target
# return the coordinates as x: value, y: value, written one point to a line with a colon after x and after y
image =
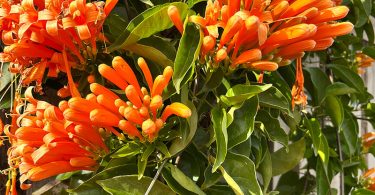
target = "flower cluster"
x: 369, y: 179
x: 263, y: 35
x: 57, y: 35
x: 363, y: 61
x: 141, y: 115
x: 274, y: 32
x: 45, y: 144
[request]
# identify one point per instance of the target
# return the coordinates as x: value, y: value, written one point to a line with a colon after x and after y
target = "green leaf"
x: 65, y: 176
x: 335, y: 110
x: 147, y: 2
x: 349, y: 130
x: 320, y: 143
x: 271, y: 127
x: 320, y: 82
x: 351, y: 78
x: 5, y: 77
x: 187, y: 133
x: 129, y: 150
x: 274, y: 98
x: 183, y: 180
x: 242, y: 171
x: 210, y: 178
x: 156, y: 49
x: 323, y: 182
x: 163, y: 149
x: 241, y: 92
x: 187, y: 53
x: 369, y: 29
x: 146, y: 24
x: 283, y: 161
x: 370, y: 51
x: 219, y: 121
x: 143, y: 159
x: 363, y: 192
x: 90, y: 187
x: 265, y: 168
x: 243, y: 124
x: 339, y: 88
x: 130, y: 185
x: 362, y: 10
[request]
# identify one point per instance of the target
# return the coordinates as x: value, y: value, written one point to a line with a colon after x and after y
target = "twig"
x: 155, y: 177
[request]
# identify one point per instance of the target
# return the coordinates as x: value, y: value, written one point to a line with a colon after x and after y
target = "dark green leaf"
x: 274, y: 98
x: 351, y: 78
x: 219, y: 121
x: 146, y: 24
x: 241, y: 92
x: 363, y: 192
x: 339, y: 88
x: 187, y: 53
x: 271, y: 126
x: 210, y: 178
x: 129, y: 150
x: 335, y: 110
x: 90, y: 187
x: 156, y: 49
x: 183, y: 180
x: 370, y: 51
x: 130, y: 185
x: 320, y: 82
x: 283, y: 161
x: 369, y: 29
x: 243, y: 124
x: 323, y: 183
x: 265, y: 168
x: 350, y: 132
x: 362, y: 11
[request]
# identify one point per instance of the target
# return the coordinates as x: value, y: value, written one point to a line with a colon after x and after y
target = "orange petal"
x: 30, y: 133
x: 82, y: 162
x: 174, y: 15
x: 291, y: 34
x: 233, y: 26
x: 124, y: 70
x: 111, y: 75
x: 297, y: 47
x: 146, y: 72
x: 133, y: 115
x: 264, y: 66
x: 333, y: 30
x: 98, y: 89
x: 103, y: 117
x: 132, y: 95
x: 76, y: 116
x: 246, y: 57
x: 129, y: 129
x: 148, y: 127
x: 330, y: 14
x: 176, y: 108
x: 48, y: 170
x: 82, y: 105
x: 298, y: 7
x: 279, y: 9
x: 109, y: 5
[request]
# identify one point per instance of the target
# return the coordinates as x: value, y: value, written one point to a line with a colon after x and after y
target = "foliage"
x: 223, y: 137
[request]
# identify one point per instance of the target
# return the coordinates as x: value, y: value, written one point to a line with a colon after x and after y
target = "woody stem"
x: 155, y: 177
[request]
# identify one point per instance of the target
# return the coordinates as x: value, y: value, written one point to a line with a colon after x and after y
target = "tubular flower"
x: 37, y: 33
x: 45, y: 144
x: 368, y: 139
x: 141, y: 115
x: 363, y: 61
x: 369, y: 179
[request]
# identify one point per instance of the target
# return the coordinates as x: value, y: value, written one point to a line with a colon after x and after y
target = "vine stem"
x: 342, y: 176
x: 155, y: 177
